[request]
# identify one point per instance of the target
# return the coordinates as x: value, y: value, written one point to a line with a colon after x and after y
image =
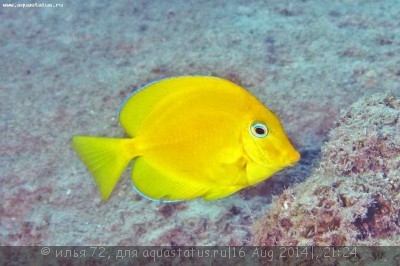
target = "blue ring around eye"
x: 259, y: 130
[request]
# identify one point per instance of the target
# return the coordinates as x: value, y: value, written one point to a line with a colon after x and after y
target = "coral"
x: 352, y: 197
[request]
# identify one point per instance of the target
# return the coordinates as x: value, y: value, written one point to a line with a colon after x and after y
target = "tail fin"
x: 106, y: 159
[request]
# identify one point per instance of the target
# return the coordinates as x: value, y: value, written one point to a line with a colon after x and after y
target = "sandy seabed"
x: 65, y: 70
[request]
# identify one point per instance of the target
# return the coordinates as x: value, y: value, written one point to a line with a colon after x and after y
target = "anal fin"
x: 161, y: 184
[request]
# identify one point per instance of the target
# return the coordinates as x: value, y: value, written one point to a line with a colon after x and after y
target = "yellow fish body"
x: 191, y: 137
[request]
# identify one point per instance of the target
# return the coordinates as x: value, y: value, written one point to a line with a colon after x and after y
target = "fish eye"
x: 259, y: 130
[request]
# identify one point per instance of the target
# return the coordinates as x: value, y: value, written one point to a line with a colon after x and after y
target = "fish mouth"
x: 293, y: 158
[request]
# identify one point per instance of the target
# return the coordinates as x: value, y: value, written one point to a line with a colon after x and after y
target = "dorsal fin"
x: 140, y: 104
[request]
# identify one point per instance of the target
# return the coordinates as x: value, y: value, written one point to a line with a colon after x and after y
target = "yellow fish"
x: 191, y: 137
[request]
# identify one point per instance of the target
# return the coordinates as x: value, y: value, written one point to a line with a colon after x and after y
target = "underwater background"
x: 322, y: 66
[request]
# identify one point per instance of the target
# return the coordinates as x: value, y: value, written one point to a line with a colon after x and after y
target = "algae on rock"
x: 352, y: 198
